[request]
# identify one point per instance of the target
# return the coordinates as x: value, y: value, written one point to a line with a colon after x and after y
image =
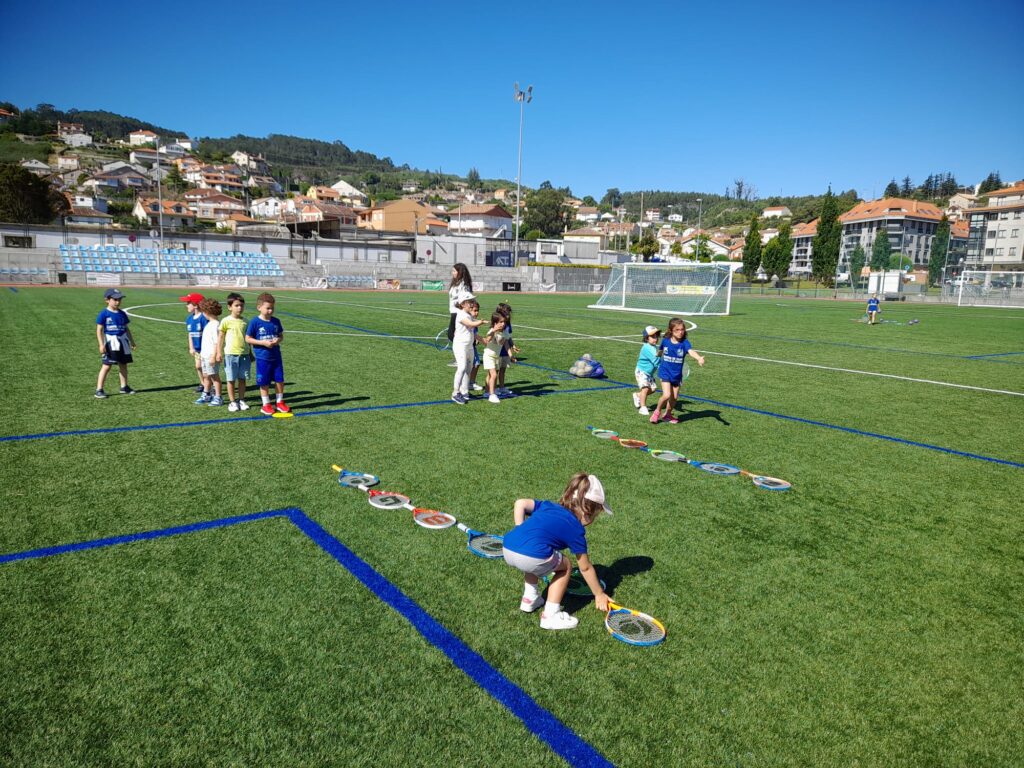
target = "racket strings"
x: 634, y: 626
x: 487, y: 545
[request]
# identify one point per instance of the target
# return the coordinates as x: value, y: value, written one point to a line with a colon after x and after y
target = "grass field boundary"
x: 539, y: 721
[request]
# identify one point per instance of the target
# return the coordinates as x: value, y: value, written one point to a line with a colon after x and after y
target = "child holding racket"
x: 674, y: 350
x: 264, y: 333
x: 647, y: 365
x: 545, y: 528
x: 462, y: 346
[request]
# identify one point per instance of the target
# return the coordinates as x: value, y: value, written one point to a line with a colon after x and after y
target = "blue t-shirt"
x: 872, y: 305
x: 648, y: 361
x: 262, y: 330
x: 195, y: 326
x: 114, y: 323
x: 551, y: 528
x: 508, y: 331
x: 672, y: 357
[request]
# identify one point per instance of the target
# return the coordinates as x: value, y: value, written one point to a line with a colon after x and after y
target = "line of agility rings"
x: 761, y: 481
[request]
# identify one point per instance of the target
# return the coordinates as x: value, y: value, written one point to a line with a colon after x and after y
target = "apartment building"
x: 803, y: 246
x: 996, y: 236
x: 909, y: 224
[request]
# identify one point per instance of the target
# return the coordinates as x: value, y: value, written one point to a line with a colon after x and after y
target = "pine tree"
x: 940, y: 251
x: 908, y: 188
x: 892, y: 189
x: 752, y: 251
x: 881, y: 249
x: 825, y: 247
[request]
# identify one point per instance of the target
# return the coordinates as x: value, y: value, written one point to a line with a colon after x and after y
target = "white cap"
x: 651, y: 330
x: 595, y: 492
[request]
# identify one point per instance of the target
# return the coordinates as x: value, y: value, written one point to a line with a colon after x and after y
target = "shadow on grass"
x: 707, y: 413
x: 612, y: 576
x: 329, y: 400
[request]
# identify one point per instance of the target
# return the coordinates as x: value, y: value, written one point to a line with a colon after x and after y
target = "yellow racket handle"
x: 336, y: 468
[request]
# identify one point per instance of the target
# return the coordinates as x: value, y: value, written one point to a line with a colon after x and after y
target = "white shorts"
x: 644, y: 379
x: 210, y: 368
x: 534, y: 565
x: 490, y: 360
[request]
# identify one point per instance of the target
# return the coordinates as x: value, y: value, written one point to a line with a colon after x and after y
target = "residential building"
x: 996, y: 238
x: 627, y: 229
x: 141, y: 138
x: 37, y: 167
x: 349, y: 194
x: 252, y: 163
x: 68, y: 163
x: 324, y: 194
x: 267, y: 183
x: 587, y: 235
x: 69, y: 129
x: 776, y: 212
x: 222, y: 181
x: 398, y: 216
x: 266, y: 208
x: 573, y: 202
x: 676, y: 218
x: 5, y: 115
x: 909, y: 224
x: 481, y: 221
x: 652, y: 214
x: 316, y: 210
x: 176, y: 214
x: 587, y: 213
x: 215, y: 207
x: 86, y: 201
x: 173, y: 151
x: 87, y: 215
x: 958, y: 205
x: 504, y: 194
x: 473, y: 197
x: 117, y: 165
x: 77, y: 139
x: 803, y: 246
x: 410, y: 186
x: 717, y: 242
x: 768, y: 234
x: 146, y: 155
x: 736, y: 249
x: 124, y: 177
x: 188, y: 144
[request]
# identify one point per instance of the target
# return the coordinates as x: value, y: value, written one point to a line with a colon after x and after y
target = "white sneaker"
x: 644, y: 411
x: 243, y: 406
x: 493, y: 399
x: 560, y: 620
x: 529, y: 606
x: 476, y: 387
x: 233, y: 406
x: 636, y: 399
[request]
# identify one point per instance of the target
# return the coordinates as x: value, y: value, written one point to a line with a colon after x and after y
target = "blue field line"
x: 994, y: 354
x: 539, y: 721
x: 12, y: 289
x: 853, y: 431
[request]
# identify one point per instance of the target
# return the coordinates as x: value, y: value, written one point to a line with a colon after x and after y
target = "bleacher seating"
x: 172, y: 261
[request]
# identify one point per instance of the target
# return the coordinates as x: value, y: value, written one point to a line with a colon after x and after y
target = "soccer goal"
x: 668, y: 289
x: 973, y: 288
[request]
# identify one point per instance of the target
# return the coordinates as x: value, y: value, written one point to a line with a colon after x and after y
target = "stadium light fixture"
x: 524, y: 98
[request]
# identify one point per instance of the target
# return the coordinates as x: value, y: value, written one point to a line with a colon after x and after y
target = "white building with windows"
x: 481, y: 221
x: 996, y: 237
x: 909, y: 224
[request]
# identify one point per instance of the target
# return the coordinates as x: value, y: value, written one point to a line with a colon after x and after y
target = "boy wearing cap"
x: 647, y: 368
x: 115, y: 342
x: 545, y: 528
x: 195, y: 322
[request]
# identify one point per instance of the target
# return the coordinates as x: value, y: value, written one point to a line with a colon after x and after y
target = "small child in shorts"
x: 209, y: 352
x: 116, y: 342
x: 647, y: 365
x: 235, y: 352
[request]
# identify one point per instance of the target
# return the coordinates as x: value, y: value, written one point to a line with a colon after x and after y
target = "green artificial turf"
x: 869, y: 616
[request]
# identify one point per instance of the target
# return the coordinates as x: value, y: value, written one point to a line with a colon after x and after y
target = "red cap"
x: 192, y: 298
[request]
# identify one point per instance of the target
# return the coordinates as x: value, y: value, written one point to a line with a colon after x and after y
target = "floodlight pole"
x: 700, y: 210
x: 160, y: 207
x: 524, y: 98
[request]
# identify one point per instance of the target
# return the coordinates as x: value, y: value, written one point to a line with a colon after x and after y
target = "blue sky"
x: 790, y: 96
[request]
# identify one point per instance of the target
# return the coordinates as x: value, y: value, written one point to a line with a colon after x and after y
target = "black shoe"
x: 100, y: 394
x: 127, y: 391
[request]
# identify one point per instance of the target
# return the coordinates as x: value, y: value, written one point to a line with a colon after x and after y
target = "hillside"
x: 43, y: 119
x: 314, y: 160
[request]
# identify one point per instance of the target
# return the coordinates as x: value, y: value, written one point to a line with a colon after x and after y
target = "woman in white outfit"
x: 462, y: 345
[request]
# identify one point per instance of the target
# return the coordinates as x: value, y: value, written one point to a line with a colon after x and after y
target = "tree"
x: 899, y: 261
x: 175, y: 180
x: 703, y: 253
x: 940, y: 251
x: 588, y: 200
x: 880, y: 250
x: 546, y: 211
x: 784, y: 251
x: 856, y: 265
x: 612, y: 198
x: 646, y: 246
x: 907, y: 189
x: 473, y: 178
x: 27, y: 199
x: 770, y: 258
x: 752, y: 251
x: 544, y: 185
x: 676, y: 249
x: 825, y: 246
x: 892, y: 189
x: 991, y: 183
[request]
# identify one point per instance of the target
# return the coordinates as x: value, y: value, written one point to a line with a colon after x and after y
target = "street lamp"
x: 524, y: 98
x: 700, y: 210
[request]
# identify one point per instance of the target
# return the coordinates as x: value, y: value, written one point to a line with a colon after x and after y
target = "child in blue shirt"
x: 264, y: 334
x: 543, y: 529
x: 115, y: 342
x: 195, y: 322
x: 674, y: 350
x: 873, y: 310
x: 647, y: 368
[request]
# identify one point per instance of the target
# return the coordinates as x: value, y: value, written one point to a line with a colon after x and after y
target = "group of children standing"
x: 213, y: 344
x: 499, y: 350
x: 664, y: 358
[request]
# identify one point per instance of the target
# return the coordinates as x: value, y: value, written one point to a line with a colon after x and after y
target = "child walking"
x: 674, y: 349
x: 462, y: 347
x: 545, y: 528
x: 235, y: 352
x: 647, y: 368
x: 116, y: 342
x: 195, y: 321
x: 265, y: 334
x: 494, y: 342
x: 210, y: 352
x: 873, y: 310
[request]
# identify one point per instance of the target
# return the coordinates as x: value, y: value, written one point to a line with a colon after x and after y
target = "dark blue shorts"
x: 268, y: 371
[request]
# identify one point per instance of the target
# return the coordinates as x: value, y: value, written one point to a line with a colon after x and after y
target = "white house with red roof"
x: 776, y: 212
x: 481, y: 221
x: 141, y: 138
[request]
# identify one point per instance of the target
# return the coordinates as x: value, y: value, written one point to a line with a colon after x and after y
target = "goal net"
x: 984, y: 288
x: 668, y: 289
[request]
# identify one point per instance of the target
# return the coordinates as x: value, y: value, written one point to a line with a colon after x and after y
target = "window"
x: 1013, y: 250
x: 1014, y: 232
x: 991, y: 234
x: 17, y: 241
x: 999, y: 251
x: 988, y: 251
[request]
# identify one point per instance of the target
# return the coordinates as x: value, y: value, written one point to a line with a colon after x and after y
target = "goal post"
x: 668, y: 289
x: 985, y: 288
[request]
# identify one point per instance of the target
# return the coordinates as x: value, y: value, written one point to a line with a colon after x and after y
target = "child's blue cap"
x: 113, y: 293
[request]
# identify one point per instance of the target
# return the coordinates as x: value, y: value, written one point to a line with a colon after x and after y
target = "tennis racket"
x: 387, y: 500
x: 627, y: 443
x: 766, y: 483
x: 359, y: 480
x: 483, y: 544
x: 431, y: 518
x: 715, y: 468
x: 441, y: 340
x: 686, y: 370
x: 603, y: 434
x: 633, y: 627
